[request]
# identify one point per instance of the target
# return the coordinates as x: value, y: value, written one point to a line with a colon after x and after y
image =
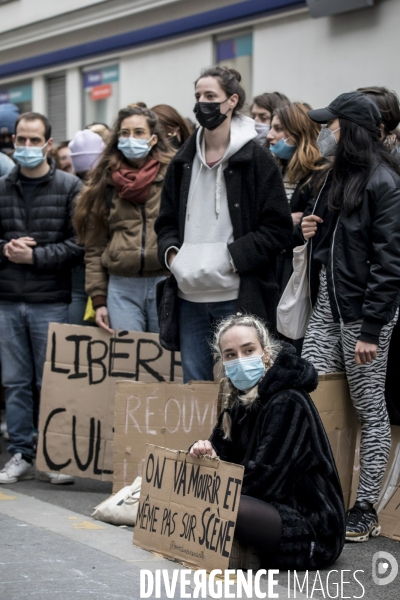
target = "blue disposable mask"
x: 245, y: 373
x: 283, y: 150
x: 29, y: 157
x: 134, y: 148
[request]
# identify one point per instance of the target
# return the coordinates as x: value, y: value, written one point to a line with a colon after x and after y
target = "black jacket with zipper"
x: 262, y: 224
x: 47, y: 219
x: 363, y: 271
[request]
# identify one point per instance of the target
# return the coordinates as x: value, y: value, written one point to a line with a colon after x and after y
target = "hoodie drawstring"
x: 194, y: 188
x: 218, y: 191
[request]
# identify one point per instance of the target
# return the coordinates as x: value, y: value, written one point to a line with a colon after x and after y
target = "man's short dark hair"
x: 33, y: 116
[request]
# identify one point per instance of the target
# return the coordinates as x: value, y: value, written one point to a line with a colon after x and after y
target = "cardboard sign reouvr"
x: 170, y: 415
x: 188, y: 507
x: 76, y: 427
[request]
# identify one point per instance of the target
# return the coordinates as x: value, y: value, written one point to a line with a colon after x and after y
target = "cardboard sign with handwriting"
x: 76, y: 427
x: 170, y: 415
x: 188, y: 507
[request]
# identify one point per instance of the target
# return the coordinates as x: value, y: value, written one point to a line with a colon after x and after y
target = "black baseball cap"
x: 353, y: 106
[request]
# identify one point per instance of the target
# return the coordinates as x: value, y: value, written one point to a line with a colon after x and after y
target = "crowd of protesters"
x: 158, y: 225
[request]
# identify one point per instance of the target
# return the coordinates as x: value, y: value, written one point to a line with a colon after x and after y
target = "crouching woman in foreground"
x: 291, y: 512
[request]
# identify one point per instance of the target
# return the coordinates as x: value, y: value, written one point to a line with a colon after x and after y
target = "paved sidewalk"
x: 49, y: 552
x: 51, y: 549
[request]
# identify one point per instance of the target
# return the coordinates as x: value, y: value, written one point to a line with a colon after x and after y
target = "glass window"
x: 100, y: 94
x: 19, y: 94
x: 237, y: 53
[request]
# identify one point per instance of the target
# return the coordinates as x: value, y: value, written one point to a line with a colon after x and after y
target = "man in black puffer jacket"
x: 37, y: 252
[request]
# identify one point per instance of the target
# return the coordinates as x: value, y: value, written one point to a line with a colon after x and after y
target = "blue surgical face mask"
x: 134, y: 148
x: 245, y: 373
x: 283, y: 150
x: 29, y: 157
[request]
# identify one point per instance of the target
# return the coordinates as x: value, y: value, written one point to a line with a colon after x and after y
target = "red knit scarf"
x: 134, y: 184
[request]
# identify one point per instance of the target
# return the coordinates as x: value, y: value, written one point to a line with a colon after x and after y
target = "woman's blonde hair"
x: 232, y: 395
x: 307, y: 157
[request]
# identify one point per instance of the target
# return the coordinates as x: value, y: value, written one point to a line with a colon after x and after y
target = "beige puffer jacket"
x: 128, y: 247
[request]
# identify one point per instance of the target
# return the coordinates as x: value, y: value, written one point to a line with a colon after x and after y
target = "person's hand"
x: 29, y: 241
x: 20, y: 251
x: 309, y: 226
x: 365, y: 353
x: 102, y: 319
x: 296, y: 217
x: 171, y: 256
x: 201, y: 448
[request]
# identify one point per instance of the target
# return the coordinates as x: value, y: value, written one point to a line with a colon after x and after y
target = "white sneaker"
x: 55, y: 478
x: 17, y: 469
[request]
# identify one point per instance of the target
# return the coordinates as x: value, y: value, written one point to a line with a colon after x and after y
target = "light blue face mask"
x: 133, y: 148
x: 283, y: 150
x: 245, y: 373
x: 29, y: 157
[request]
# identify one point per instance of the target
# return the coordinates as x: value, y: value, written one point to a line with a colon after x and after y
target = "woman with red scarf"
x: 114, y: 219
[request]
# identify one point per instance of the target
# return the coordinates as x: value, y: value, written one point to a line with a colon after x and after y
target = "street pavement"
x: 51, y: 549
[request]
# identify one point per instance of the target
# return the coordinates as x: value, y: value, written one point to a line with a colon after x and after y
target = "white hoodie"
x: 203, y: 266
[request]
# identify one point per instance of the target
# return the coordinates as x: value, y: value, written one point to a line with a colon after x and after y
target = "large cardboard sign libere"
x: 77, y: 402
x: 188, y: 507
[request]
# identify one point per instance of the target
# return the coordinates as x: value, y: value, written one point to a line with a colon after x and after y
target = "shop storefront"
x: 100, y: 94
x: 19, y: 94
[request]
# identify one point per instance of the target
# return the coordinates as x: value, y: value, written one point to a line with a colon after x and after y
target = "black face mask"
x: 209, y: 114
x: 174, y: 142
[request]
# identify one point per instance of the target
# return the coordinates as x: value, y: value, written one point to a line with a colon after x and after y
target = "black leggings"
x: 258, y: 524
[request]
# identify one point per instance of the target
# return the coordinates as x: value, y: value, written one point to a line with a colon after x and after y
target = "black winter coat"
x: 262, y: 225
x: 291, y: 465
x: 363, y: 271
x: 47, y: 219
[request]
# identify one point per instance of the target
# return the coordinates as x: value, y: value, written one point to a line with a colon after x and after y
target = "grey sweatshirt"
x: 203, y: 267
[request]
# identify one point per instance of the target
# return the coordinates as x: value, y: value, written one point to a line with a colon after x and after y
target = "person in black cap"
x: 354, y: 272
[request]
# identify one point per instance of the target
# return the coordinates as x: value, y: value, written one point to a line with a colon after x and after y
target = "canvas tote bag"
x: 294, y: 309
x: 120, y: 508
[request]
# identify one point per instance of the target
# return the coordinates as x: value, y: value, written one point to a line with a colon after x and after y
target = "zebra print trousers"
x: 330, y: 347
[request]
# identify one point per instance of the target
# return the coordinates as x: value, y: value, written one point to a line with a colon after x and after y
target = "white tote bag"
x: 120, y: 508
x: 294, y: 309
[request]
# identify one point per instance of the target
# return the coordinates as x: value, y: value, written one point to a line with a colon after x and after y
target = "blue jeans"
x: 131, y: 303
x: 77, y: 307
x: 196, y: 326
x: 23, y: 342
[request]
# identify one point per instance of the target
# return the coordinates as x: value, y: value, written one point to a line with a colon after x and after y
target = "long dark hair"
x: 359, y: 152
x: 91, y: 202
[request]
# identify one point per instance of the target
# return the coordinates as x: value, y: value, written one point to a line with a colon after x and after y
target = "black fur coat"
x: 291, y: 465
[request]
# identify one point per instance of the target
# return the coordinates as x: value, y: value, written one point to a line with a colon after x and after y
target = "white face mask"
x: 327, y: 142
x: 262, y: 131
